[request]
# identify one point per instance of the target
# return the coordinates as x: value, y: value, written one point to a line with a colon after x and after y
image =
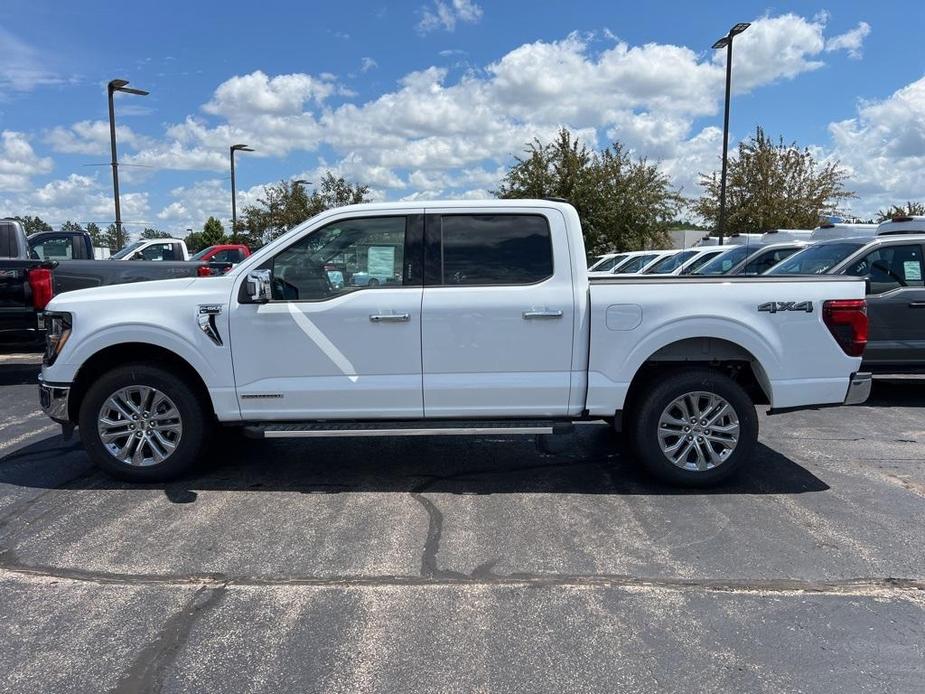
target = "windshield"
x: 127, y: 250
x: 700, y: 261
x: 201, y: 253
x: 634, y: 264
x: 605, y: 264
x: 723, y: 263
x: 816, y: 260
x: 671, y: 263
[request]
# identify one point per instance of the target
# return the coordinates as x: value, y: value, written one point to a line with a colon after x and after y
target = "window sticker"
x: 912, y: 269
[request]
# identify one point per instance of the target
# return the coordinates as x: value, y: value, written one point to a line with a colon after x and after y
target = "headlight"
x: 57, y: 331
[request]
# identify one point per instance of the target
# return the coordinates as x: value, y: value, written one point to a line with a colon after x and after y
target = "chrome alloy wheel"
x: 139, y: 426
x: 698, y: 431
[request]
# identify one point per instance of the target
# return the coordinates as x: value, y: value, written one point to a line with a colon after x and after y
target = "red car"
x: 232, y: 253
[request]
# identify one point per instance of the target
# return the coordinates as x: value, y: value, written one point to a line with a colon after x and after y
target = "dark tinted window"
x: 670, y: 263
x: 607, y: 265
x: 816, y: 260
x: 723, y: 263
x: 229, y: 255
x: 766, y: 260
x: 496, y: 249
x: 635, y: 264
x: 700, y: 261
x: 890, y: 267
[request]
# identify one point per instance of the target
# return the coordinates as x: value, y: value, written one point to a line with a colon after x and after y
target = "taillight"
x: 846, y: 319
x: 204, y: 271
x: 40, y: 282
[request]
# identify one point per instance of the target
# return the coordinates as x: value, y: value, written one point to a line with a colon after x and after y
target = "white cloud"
x: 19, y: 162
x: 883, y: 148
x: 22, y: 67
x: 850, y: 41
x: 79, y: 198
x: 257, y: 94
x: 367, y: 64
x: 91, y: 137
x: 445, y: 15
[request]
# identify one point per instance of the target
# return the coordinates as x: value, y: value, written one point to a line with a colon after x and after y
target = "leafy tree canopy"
x: 33, y: 224
x: 773, y: 185
x: 151, y: 233
x: 908, y: 209
x: 286, y: 204
x: 213, y: 233
x: 623, y: 204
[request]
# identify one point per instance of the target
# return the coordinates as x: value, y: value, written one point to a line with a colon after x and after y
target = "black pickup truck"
x: 35, y: 268
x: 25, y: 286
x: 77, y: 269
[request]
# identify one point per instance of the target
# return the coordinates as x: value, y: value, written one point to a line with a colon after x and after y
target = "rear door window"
x: 890, y: 267
x: 495, y: 249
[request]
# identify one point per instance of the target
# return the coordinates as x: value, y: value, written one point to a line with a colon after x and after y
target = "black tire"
x: 649, y: 406
x: 373, y: 282
x: 196, y: 423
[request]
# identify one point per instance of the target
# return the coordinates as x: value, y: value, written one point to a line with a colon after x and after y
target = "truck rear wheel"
x: 694, y: 428
x: 142, y: 424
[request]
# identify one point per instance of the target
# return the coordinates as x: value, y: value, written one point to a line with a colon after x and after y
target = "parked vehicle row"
x: 47, y: 263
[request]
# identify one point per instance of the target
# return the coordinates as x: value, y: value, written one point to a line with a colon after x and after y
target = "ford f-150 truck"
x: 492, y: 326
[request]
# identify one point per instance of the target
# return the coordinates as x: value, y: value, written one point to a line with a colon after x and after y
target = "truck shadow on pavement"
x: 588, y: 462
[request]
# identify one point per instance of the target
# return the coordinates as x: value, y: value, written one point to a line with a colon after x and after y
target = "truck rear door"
x: 498, y: 314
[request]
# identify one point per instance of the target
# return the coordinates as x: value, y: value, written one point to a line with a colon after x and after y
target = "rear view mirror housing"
x: 259, y: 285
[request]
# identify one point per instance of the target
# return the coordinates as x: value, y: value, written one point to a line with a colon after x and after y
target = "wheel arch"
x: 119, y: 354
x: 721, y: 354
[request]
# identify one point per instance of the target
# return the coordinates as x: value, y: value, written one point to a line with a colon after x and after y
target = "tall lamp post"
x: 726, y: 42
x: 234, y: 202
x: 113, y: 87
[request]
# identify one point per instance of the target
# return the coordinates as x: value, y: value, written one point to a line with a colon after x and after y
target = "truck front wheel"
x: 694, y: 428
x: 142, y: 423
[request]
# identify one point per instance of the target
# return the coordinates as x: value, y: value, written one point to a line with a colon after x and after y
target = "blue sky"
x: 425, y: 99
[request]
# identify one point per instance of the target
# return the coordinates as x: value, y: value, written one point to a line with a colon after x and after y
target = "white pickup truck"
x: 489, y: 325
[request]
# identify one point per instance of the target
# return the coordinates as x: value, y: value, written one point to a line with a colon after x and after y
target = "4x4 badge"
x: 777, y: 306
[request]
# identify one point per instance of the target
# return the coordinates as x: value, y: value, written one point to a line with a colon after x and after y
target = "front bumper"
x: 859, y: 389
x: 53, y: 399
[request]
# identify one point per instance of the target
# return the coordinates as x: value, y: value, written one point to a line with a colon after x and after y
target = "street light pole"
x: 111, y: 88
x: 234, y: 202
x: 726, y: 42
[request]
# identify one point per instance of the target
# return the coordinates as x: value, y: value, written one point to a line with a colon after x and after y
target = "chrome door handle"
x: 532, y: 314
x: 917, y: 304
x: 390, y: 317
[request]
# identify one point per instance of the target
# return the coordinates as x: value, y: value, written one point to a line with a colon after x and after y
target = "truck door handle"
x: 390, y: 317
x: 534, y: 315
x: 917, y: 304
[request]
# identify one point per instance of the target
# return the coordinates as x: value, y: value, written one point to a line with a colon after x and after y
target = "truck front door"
x: 334, y: 350
x: 498, y: 314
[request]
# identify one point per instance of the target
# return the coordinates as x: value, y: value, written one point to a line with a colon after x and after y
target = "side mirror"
x: 260, y: 286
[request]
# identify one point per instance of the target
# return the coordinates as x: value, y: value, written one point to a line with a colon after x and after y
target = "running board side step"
x: 405, y: 428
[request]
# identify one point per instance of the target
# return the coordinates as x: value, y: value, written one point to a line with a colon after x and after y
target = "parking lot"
x: 435, y: 564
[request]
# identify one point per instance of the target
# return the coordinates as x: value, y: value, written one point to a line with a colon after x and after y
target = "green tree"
x: 909, y: 209
x: 96, y: 235
x: 773, y: 185
x: 33, y: 224
x: 623, y: 204
x: 71, y: 226
x: 114, y: 238
x: 213, y: 233
x: 151, y: 233
x: 285, y: 205
x: 194, y: 242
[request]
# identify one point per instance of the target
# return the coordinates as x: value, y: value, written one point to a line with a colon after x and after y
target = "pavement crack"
x: 483, y: 576
x: 429, y: 567
x: 146, y: 673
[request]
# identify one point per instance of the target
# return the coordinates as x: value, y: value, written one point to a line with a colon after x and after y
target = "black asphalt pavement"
x: 466, y: 565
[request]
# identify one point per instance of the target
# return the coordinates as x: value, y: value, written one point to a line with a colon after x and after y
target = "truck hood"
x: 185, y: 288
